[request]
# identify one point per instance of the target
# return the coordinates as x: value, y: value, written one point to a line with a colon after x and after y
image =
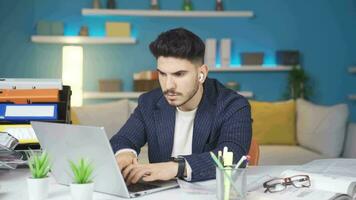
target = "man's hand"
x: 150, y: 172
x: 125, y: 159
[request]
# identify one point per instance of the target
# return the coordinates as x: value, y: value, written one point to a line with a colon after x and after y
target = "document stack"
x: 25, y: 100
x: 9, y: 158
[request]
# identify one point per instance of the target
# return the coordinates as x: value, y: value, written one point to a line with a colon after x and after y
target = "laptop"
x: 65, y: 142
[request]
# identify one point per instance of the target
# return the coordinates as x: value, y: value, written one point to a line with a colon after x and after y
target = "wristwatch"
x: 181, y: 166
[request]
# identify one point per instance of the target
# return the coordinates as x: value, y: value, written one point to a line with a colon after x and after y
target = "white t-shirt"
x: 183, y: 132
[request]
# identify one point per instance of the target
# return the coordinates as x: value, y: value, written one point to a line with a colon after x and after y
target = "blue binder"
x: 28, y: 112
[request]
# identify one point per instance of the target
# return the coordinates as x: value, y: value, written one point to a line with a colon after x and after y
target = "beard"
x: 189, y: 96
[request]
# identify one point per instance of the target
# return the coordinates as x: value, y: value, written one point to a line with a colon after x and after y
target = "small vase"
x: 38, y: 188
x: 219, y: 5
x: 96, y: 4
x: 154, y: 5
x: 84, y: 31
x: 82, y: 191
x: 111, y: 4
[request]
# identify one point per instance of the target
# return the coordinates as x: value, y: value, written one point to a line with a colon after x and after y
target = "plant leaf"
x: 82, y: 172
x: 75, y: 171
x: 37, y: 165
x: 30, y: 164
x: 44, y: 165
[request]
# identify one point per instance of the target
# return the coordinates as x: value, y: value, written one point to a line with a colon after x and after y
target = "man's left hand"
x: 150, y: 172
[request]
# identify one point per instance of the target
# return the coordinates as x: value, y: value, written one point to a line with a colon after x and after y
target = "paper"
x: 205, y: 187
x: 292, y: 193
x: 339, y: 166
x: 330, y: 179
x: 30, y: 111
x: 24, y: 133
x: 327, y: 182
x: 8, y: 141
x: 337, y: 175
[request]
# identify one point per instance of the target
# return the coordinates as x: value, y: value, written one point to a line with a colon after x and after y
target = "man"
x: 189, y: 116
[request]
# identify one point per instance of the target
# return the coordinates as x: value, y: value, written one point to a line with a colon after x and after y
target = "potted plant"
x: 82, y: 186
x: 298, y: 84
x: 38, y: 183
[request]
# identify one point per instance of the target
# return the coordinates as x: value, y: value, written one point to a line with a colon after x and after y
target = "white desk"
x: 13, y: 186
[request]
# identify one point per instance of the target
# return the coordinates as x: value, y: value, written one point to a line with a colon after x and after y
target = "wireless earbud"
x: 201, y: 77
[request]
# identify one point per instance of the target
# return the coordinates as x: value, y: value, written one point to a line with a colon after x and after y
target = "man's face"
x: 178, y: 79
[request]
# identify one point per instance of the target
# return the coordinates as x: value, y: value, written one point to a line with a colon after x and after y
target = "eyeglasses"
x: 280, y: 184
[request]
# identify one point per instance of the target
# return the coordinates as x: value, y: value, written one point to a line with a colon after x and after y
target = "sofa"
x: 314, y: 132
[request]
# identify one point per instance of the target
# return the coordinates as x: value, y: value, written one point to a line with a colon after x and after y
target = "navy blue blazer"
x: 223, y: 118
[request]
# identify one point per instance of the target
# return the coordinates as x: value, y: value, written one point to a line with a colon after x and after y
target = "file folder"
x: 21, y: 96
x: 27, y: 112
x: 24, y: 133
x: 24, y: 83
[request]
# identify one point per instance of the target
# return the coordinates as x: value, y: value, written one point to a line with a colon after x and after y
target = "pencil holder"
x: 231, y: 183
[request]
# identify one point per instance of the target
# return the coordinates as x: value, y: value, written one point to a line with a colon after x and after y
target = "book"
x: 210, y: 52
x: 26, y: 83
x: 118, y: 29
x: 27, y: 96
x: 27, y: 112
x: 333, y: 179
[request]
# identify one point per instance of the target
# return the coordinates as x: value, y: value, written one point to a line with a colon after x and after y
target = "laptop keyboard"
x: 138, y: 187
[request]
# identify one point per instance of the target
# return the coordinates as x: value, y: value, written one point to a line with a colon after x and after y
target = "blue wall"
x: 323, y: 30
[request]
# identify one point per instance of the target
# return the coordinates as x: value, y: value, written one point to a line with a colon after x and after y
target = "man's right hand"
x: 125, y: 159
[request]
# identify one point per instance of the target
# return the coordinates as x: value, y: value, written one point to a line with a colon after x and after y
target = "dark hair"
x: 178, y: 43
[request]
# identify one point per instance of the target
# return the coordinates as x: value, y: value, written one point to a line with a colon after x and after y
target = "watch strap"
x: 181, y: 167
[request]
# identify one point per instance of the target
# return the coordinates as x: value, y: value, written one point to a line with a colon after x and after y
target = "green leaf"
x: 30, y: 164
x: 44, y: 165
x: 89, y: 174
x: 38, y: 163
x: 74, y: 169
x: 44, y: 158
x: 82, y: 172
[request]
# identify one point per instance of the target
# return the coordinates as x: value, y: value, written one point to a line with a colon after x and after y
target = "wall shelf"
x: 82, y: 40
x: 252, y: 68
x: 165, y: 13
x: 133, y: 95
x: 111, y: 95
x: 352, y: 97
x: 352, y: 69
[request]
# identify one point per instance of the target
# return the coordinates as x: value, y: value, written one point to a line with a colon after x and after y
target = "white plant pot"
x: 82, y: 191
x: 38, y: 188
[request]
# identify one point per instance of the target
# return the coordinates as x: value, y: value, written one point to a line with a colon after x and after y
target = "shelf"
x: 111, y: 95
x: 352, y: 69
x: 252, y: 68
x: 165, y: 13
x: 352, y: 97
x: 82, y: 40
x: 133, y: 95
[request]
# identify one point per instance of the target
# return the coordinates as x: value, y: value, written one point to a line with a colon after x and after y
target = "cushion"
x: 132, y: 106
x: 350, y: 148
x: 286, y: 155
x: 321, y: 128
x: 111, y: 116
x: 274, y: 123
x: 74, y: 117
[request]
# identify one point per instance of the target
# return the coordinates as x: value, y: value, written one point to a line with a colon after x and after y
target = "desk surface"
x: 13, y: 186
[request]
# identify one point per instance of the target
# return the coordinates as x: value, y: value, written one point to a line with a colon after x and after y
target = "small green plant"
x: 82, y: 171
x: 39, y: 164
x: 298, y: 84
